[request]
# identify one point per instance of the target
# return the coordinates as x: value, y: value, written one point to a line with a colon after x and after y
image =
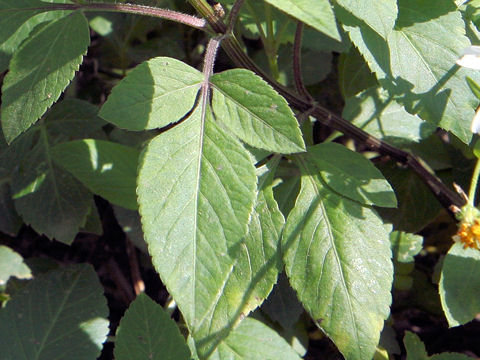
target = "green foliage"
x: 141, y: 100
x: 282, y: 304
x: 416, y: 350
x: 256, y: 341
x: 215, y: 163
x: 147, y: 332
x: 405, y: 246
x: 11, y: 264
x: 190, y: 175
x: 416, y: 62
x: 318, y: 14
x: 46, y: 196
x: 21, y: 18
x: 40, y: 70
x: 383, y: 117
x: 351, y: 175
x: 330, y: 250
x: 416, y: 204
x: 379, y: 16
x: 255, y: 112
x: 42, y: 313
x: 458, y: 288
x: 105, y: 168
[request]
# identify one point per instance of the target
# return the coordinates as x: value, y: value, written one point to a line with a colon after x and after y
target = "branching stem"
x: 231, y: 46
x: 444, y: 194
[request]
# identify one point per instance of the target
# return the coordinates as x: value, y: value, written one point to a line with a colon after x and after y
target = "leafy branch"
x: 299, y: 100
x: 446, y: 196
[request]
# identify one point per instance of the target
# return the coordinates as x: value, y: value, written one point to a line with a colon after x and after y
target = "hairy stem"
x: 133, y: 9
x: 209, y: 62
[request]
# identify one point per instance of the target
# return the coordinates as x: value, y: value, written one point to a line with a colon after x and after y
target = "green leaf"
x: 417, y: 206
x: 338, y: 259
x: 59, y: 315
x: 13, y: 13
x: 40, y: 70
x: 48, y: 198
x: 282, y: 305
x: 255, y: 16
x: 287, y: 190
x: 405, y: 246
x: 106, y: 168
x: 93, y: 223
x: 254, y: 273
x: 11, y: 264
x: 416, y: 350
x: 146, y: 331
x: 254, y: 340
x: 316, y: 65
x: 154, y: 94
x: 428, y: 37
x: 131, y: 225
x: 9, y: 41
x: 318, y: 14
x: 255, y: 112
x: 380, y: 16
x: 354, y: 74
x: 10, y: 222
x: 414, y: 346
x: 45, y: 195
x: 476, y: 149
x: 474, y: 87
x: 351, y: 174
x: 459, y: 286
x: 73, y: 119
x: 318, y: 41
x: 384, y: 118
x: 196, y: 191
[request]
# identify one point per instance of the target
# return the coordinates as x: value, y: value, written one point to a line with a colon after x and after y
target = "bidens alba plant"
x: 241, y: 197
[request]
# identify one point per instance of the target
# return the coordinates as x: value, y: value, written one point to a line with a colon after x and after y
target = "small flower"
x: 468, y: 235
x: 468, y: 232
x: 470, y: 58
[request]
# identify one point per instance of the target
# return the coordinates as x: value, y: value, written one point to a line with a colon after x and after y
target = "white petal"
x: 470, y: 58
x: 472, y: 50
x: 476, y: 122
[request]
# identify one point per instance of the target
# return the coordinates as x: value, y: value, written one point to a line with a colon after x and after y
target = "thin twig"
x: 120, y: 281
x: 297, y: 64
x: 231, y: 46
x: 132, y: 9
x: 138, y: 284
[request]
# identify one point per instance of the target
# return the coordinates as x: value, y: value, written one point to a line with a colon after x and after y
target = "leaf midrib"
x: 313, y: 183
x: 253, y: 115
x: 59, y: 309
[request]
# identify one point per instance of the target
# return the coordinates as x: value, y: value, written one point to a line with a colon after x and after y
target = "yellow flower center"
x: 469, y: 235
